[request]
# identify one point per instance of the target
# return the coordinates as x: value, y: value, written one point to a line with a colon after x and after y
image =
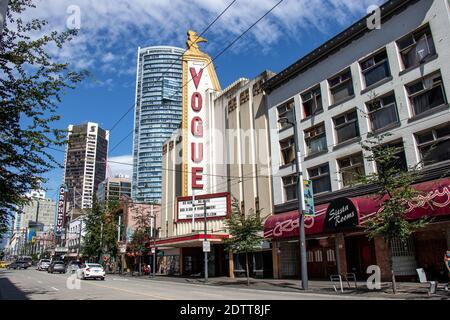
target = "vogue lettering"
x: 197, y: 130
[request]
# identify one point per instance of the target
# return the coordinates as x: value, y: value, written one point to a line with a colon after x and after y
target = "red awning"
x: 434, y: 202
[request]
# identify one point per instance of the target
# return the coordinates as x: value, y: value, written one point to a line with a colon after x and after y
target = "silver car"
x: 43, y: 264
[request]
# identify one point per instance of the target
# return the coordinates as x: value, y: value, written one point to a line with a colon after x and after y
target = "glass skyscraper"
x: 157, y: 115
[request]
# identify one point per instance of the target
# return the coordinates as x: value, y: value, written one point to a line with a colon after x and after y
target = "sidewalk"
x: 405, y: 290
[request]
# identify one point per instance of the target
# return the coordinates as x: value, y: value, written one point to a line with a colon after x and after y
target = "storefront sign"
x: 61, y: 213
x: 341, y: 214
x: 217, y: 206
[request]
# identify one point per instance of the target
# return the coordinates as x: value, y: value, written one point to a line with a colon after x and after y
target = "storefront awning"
x: 190, y: 240
x: 347, y: 213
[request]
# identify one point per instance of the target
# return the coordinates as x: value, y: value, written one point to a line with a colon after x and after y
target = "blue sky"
x: 111, y: 31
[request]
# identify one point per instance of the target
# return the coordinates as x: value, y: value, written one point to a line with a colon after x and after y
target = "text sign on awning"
x: 341, y: 214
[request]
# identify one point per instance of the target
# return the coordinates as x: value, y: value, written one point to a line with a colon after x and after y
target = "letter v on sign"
x: 196, y: 76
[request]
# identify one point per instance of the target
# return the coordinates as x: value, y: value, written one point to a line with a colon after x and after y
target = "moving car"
x: 57, y: 266
x: 43, y: 264
x: 18, y: 265
x: 91, y: 271
x: 73, y: 266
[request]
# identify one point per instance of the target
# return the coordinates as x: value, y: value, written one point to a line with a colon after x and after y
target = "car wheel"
x: 102, y: 278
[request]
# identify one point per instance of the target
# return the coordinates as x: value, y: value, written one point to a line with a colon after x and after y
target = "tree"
x: 141, y: 234
x: 244, y: 233
x: 31, y: 85
x: 394, y: 190
x: 93, y: 236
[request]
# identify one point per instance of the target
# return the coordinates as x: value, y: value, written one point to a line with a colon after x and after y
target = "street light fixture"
x: 301, y: 213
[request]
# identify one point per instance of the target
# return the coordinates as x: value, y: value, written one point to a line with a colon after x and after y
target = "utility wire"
x: 175, y: 61
x: 228, y: 46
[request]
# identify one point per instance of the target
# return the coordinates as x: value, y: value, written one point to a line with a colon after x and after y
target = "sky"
x: 110, y: 32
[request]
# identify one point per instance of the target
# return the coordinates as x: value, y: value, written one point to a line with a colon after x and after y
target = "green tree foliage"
x: 245, y: 233
x: 93, y: 236
x: 141, y: 234
x: 101, y: 230
x: 394, y: 190
x: 31, y: 85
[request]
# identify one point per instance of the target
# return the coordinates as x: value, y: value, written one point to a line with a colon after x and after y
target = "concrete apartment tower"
x: 85, y: 162
x: 157, y: 115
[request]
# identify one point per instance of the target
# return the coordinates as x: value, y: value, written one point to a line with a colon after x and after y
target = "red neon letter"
x: 197, y: 127
x: 199, y: 157
x: 196, y: 76
x: 197, y: 178
x: 196, y: 101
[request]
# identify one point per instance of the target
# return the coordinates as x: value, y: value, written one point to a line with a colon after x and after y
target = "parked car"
x: 57, y: 266
x: 27, y: 259
x: 91, y: 271
x: 73, y: 266
x: 18, y: 265
x: 43, y: 264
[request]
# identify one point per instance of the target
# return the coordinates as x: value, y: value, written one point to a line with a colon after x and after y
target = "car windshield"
x: 45, y: 261
x: 94, y: 266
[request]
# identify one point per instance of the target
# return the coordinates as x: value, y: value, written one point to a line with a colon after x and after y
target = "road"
x: 39, y: 285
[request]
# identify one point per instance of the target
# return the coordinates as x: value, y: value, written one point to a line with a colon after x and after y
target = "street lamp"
x: 303, y: 262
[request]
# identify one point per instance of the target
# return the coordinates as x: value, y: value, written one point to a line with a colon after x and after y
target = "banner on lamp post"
x: 308, y: 198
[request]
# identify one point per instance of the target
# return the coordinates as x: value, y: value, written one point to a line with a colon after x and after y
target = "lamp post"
x: 153, y: 234
x: 205, y: 240
x: 301, y: 204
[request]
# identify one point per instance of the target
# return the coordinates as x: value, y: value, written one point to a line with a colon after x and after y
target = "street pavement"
x: 39, y: 285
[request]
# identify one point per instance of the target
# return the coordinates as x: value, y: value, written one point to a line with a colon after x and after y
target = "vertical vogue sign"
x: 61, y: 213
x: 197, y: 128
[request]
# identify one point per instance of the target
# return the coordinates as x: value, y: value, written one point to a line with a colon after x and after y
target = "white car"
x: 91, y: 271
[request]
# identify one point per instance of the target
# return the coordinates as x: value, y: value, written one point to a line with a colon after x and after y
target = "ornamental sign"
x: 341, y: 214
x: 199, y: 77
x: 61, y: 213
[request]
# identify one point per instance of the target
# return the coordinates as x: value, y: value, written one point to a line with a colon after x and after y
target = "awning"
x: 347, y: 213
x: 190, y: 240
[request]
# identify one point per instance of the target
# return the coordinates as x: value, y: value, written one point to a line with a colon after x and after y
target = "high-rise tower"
x: 157, y: 115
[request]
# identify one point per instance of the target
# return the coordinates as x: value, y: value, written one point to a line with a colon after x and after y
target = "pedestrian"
x: 447, y: 265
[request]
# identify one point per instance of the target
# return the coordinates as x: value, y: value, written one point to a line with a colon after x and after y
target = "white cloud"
x: 120, y: 165
x: 111, y: 31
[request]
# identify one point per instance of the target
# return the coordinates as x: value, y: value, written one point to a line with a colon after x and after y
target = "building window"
x: 341, y: 86
x: 320, y: 177
x: 290, y: 187
x: 315, y: 139
x: 434, y: 145
x: 426, y: 94
x: 346, y: 126
x: 232, y: 104
x: 375, y: 68
x: 382, y: 112
x: 288, y: 150
x: 312, y: 102
x: 398, y: 161
x: 416, y: 47
x: 351, y: 168
x: 286, y: 111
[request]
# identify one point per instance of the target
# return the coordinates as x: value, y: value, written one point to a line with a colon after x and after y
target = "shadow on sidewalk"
x: 9, y: 291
